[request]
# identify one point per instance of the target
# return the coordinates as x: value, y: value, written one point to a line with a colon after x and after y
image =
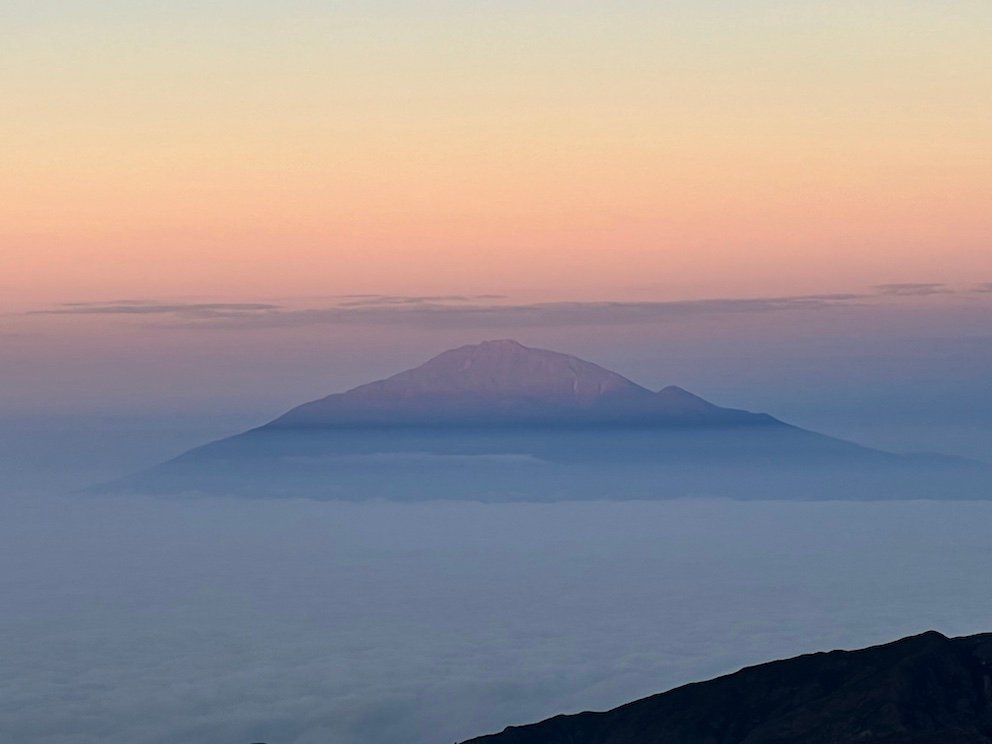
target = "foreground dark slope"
x: 926, y: 689
x: 501, y: 421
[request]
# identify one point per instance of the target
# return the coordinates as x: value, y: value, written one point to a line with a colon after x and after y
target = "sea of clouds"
x: 146, y: 621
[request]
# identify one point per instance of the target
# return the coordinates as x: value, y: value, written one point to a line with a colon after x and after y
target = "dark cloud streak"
x: 485, y: 310
x: 414, y: 300
x: 913, y: 289
x: 435, y: 313
x: 143, y: 307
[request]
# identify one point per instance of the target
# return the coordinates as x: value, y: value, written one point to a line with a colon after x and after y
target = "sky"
x: 220, y: 208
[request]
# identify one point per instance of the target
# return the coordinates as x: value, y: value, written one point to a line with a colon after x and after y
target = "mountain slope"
x: 504, y: 382
x: 501, y: 421
x: 925, y: 689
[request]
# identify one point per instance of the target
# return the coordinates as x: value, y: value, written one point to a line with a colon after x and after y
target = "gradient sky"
x: 245, y: 148
x: 184, y: 156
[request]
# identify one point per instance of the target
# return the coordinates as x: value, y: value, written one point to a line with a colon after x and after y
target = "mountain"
x: 506, y: 383
x: 925, y: 689
x: 498, y: 421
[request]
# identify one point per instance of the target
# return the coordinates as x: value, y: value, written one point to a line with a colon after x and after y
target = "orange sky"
x: 545, y: 149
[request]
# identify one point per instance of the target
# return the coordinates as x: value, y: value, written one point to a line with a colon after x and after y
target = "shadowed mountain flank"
x: 501, y: 421
x: 925, y: 689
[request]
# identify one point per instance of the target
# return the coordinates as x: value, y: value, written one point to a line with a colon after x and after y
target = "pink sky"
x: 189, y: 155
x: 559, y: 151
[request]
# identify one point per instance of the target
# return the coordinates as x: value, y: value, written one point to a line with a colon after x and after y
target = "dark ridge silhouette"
x: 501, y: 421
x: 925, y: 689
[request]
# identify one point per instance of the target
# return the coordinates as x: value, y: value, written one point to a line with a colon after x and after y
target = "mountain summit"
x: 506, y: 382
x: 506, y: 367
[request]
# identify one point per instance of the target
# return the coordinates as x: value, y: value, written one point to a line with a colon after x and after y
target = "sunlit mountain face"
x: 501, y: 421
x: 505, y: 383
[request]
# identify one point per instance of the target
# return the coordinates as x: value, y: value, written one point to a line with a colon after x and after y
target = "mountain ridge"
x: 923, y: 689
x: 503, y: 381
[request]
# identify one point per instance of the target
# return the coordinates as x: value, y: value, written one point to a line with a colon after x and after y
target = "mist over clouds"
x: 150, y: 621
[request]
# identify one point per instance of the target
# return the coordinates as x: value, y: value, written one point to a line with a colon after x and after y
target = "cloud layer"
x: 154, y: 622
x: 489, y: 310
x: 198, y: 310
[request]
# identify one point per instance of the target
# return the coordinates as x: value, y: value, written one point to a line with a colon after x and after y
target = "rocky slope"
x: 925, y: 689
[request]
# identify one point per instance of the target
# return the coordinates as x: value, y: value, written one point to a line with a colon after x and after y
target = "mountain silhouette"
x: 504, y: 382
x: 925, y: 689
x: 499, y: 420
